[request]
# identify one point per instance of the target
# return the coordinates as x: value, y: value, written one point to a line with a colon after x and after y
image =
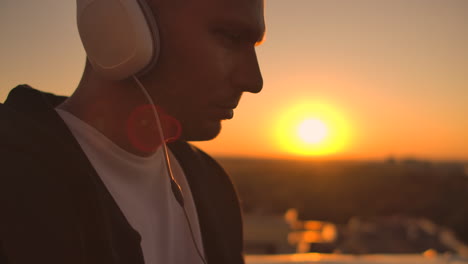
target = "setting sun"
x: 312, y: 129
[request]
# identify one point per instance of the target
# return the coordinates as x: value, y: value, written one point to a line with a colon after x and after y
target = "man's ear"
x: 118, y: 54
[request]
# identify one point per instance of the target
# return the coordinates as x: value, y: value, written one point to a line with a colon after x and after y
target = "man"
x: 83, y: 179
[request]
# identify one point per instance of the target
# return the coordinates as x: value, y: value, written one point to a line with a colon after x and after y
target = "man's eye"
x: 231, y: 37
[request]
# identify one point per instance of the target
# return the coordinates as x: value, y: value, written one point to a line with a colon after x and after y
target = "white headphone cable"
x: 163, y: 142
x: 176, y: 189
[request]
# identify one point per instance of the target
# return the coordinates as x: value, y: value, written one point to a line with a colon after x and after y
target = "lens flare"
x: 142, y: 131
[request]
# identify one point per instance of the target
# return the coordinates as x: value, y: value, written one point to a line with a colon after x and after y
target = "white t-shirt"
x: 141, y: 188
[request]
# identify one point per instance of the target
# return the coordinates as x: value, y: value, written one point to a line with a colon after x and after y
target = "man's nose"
x: 249, y: 77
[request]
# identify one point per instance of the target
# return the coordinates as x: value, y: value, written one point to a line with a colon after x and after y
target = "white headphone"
x: 121, y: 37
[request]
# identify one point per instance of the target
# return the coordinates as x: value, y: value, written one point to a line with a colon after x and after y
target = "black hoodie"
x: 55, y: 209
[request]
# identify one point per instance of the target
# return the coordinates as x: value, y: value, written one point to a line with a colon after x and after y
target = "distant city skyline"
x: 393, y: 72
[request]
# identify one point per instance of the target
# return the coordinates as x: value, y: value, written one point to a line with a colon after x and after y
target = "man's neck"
x: 107, y: 106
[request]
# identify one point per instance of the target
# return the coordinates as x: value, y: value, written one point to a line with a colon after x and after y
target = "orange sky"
x: 394, y: 71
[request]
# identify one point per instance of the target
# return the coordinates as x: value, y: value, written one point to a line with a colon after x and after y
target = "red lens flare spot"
x: 142, y: 128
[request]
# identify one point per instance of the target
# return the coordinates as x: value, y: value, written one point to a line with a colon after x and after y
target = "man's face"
x: 207, y: 61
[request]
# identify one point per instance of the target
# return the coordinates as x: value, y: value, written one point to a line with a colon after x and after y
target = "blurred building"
x: 266, y: 234
x: 275, y: 234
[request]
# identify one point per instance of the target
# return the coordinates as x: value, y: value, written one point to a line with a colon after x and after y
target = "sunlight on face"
x: 312, y: 129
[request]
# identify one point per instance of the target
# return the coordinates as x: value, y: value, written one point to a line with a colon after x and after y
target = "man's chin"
x: 201, y: 131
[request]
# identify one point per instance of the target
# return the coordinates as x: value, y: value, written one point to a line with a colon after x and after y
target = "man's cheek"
x: 223, y: 61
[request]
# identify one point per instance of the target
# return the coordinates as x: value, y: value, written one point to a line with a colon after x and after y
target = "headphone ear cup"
x: 120, y: 37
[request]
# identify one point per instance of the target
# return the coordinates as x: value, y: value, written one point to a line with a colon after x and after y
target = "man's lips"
x: 223, y: 111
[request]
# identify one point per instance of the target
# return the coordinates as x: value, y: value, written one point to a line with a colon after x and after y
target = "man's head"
x: 207, y: 60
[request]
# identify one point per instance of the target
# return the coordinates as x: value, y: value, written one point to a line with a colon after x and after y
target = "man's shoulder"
x: 35, y: 148
x: 24, y: 98
x: 16, y: 131
x: 22, y: 128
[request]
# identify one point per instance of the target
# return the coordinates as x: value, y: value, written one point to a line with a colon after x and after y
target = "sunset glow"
x: 312, y: 129
x: 386, y: 78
